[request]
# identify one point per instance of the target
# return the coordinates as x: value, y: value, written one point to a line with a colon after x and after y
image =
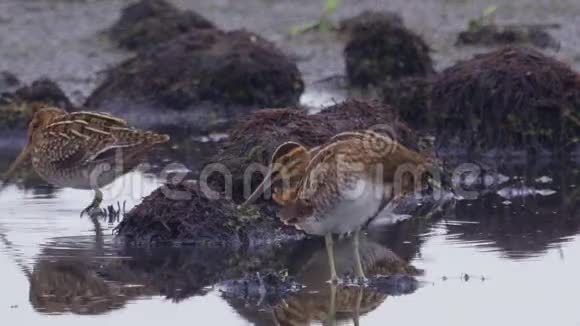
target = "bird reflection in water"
x: 63, y: 286
x: 329, y: 303
x: 67, y: 278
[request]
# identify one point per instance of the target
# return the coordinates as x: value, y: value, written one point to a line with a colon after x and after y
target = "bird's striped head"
x: 42, y: 117
x: 287, y: 168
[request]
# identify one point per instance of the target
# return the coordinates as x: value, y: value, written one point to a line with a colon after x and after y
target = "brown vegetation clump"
x: 182, y: 214
x: 513, y: 98
x: 411, y: 97
x: 150, y: 22
x: 236, y: 68
x: 382, y: 48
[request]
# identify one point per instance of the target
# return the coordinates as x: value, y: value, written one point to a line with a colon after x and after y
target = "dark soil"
x: 256, y: 137
x: 381, y: 48
x: 150, y: 22
x: 214, y: 75
x: 490, y: 35
x: 507, y: 99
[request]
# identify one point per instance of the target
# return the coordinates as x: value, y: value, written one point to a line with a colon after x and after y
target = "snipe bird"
x: 83, y: 150
x: 339, y: 187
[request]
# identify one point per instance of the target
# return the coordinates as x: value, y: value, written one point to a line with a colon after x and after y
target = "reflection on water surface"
x: 489, y: 251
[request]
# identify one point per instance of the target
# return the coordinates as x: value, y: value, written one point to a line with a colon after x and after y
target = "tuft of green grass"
x: 487, y: 17
x: 323, y: 24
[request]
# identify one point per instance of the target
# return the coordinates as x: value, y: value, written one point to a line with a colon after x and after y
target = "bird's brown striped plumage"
x: 85, y: 150
x: 339, y: 186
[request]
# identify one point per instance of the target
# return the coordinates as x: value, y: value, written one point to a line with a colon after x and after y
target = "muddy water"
x: 506, y: 257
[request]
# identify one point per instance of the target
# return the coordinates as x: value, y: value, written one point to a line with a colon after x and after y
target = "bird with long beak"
x: 339, y: 187
x: 82, y: 150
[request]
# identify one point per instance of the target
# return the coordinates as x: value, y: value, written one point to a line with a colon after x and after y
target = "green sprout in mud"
x: 486, y: 18
x: 575, y: 118
x: 323, y: 24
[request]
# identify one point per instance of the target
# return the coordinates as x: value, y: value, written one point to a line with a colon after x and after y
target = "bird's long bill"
x: 263, y: 187
x: 23, y: 156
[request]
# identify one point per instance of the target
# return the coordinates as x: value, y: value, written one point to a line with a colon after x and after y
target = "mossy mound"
x: 236, y: 68
x: 512, y: 98
x: 411, y: 96
x: 381, y: 48
x: 492, y: 34
x: 150, y: 22
x: 255, y: 139
x: 186, y: 214
x: 16, y: 108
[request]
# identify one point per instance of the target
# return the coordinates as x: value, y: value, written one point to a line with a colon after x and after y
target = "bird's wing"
x: 96, y: 119
x: 86, y: 137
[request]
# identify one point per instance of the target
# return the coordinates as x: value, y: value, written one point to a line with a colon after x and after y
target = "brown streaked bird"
x: 346, y: 183
x: 287, y: 167
x: 83, y: 150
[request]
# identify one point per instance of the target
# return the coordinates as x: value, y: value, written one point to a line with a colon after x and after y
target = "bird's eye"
x: 33, y: 124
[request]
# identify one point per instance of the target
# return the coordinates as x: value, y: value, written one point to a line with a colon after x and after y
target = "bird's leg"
x: 358, y: 268
x: 332, y: 309
x: 93, y: 208
x: 98, y: 233
x: 356, y: 317
x: 330, y: 251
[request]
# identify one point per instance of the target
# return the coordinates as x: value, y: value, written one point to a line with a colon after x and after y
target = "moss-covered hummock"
x: 231, y: 69
x: 382, y: 48
x: 512, y: 98
x: 150, y: 22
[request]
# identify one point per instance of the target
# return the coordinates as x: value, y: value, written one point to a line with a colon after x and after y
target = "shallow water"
x: 508, y: 256
x: 499, y: 259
